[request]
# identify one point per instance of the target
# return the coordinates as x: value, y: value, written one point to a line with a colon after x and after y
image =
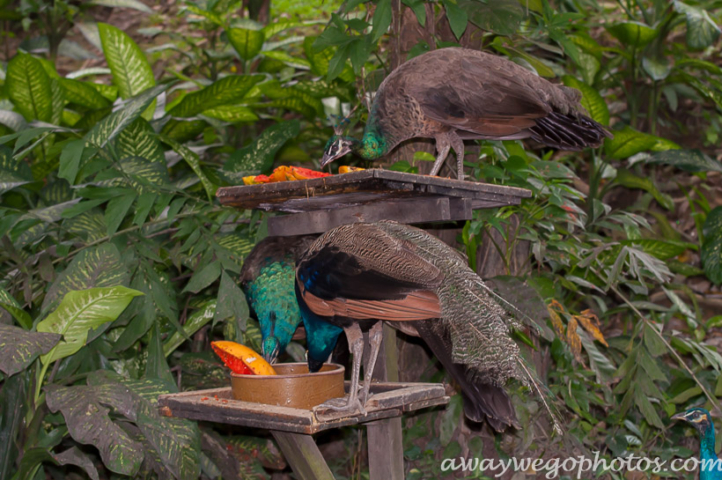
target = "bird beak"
x: 326, y: 159
x: 680, y: 416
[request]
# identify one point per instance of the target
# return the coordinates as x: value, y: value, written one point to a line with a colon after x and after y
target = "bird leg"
x: 376, y: 335
x: 351, y: 404
x: 442, y: 147
x: 458, y: 145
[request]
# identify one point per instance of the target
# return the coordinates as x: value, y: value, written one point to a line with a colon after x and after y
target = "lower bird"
x: 457, y: 94
x: 357, y: 275
x: 701, y: 420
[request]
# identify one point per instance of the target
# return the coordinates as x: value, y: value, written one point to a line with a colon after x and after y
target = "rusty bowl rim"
x: 339, y: 369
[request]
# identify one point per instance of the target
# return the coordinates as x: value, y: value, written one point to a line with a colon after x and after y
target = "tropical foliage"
x: 119, y: 265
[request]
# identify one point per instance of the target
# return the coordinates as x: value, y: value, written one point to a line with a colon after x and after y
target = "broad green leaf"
x: 226, y: 91
x: 195, y: 322
x: 630, y: 180
x: 156, y: 367
x: 289, y: 60
x: 13, y: 120
x: 19, y: 348
x: 86, y: 408
x: 203, y: 277
x: 134, y: 4
x: 320, y: 59
x: 13, y: 173
x: 73, y: 456
x: 182, y: 130
x: 628, y: 142
x: 116, y: 211
x: 381, y: 19
x: 246, y: 42
x: 80, y: 93
x: 14, y: 400
x: 14, y: 308
x: 232, y: 114
x: 632, y: 34
x: 93, y: 267
x: 711, y: 252
x: 500, y: 16
x: 258, y: 157
x: 79, y: 312
x: 28, y: 86
x: 231, y: 302
x: 661, y: 249
x: 70, y: 160
x: 457, y: 18
x: 592, y: 102
x: 702, y: 31
x: 59, y: 100
x: 207, y: 14
x: 131, y: 71
x: 110, y: 127
x: 687, y: 160
x: 139, y: 140
x: 657, y: 69
x: 194, y: 161
x: 88, y: 225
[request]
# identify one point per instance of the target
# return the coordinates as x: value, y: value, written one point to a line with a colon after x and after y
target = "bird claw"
x: 343, y: 404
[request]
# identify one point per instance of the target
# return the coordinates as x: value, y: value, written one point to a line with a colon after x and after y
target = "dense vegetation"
x: 117, y: 125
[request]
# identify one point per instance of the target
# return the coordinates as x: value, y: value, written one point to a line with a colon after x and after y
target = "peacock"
x: 357, y: 275
x: 457, y: 94
x: 710, y: 467
x: 267, y: 278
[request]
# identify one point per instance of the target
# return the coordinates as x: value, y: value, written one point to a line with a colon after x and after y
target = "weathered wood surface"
x: 386, y: 449
x: 217, y: 405
x: 361, y: 188
x: 302, y: 453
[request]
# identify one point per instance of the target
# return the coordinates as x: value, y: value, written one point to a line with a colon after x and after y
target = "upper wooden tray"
x: 217, y: 405
x: 363, y: 187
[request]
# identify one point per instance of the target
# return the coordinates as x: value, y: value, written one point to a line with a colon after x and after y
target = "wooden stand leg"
x: 303, y: 455
x: 386, y: 451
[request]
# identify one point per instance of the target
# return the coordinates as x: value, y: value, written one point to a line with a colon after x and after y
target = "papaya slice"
x: 348, y: 169
x: 241, y: 359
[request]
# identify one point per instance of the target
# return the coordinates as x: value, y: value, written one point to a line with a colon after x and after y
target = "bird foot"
x: 344, y: 404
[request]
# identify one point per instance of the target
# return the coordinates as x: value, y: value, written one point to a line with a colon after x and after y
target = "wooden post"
x: 385, y: 440
x: 303, y: 455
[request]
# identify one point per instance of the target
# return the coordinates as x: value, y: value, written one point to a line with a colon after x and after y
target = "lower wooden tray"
x: 217, y: 405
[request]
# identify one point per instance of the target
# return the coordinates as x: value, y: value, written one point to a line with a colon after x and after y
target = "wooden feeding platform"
x: 320, y: 204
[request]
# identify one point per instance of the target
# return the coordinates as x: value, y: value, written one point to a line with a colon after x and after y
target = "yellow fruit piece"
x: 347, y: 169
x: 249, y: 180
x: 248, y: 356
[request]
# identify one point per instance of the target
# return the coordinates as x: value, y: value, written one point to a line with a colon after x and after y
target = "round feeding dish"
x: 293, y: 386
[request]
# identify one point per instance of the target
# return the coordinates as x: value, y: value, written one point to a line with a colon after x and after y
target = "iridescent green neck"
x: 707, y: 441
x: 372, y: 146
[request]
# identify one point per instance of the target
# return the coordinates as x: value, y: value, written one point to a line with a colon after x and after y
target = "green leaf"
x: 457, y: 18
x: 320, y: 59
x: 116, y: 211
x: 70, y: 158
x: 156, y: 367
x: 592, y: 101
x: 687, y: 160
x: 139, y: 140
x: 110, y: 127
x: 628, y: 142
x: 14, y: 399
x: 13, y: 173
x: 203, y: 277
x: 28, y: 86
x: 226, y: 91
x: 659, y: 248
x: 232, y: 114
x: 132, y: 73
x: 79, y: 312
x: 195, y: 322
x: 19, y: 348
x: 134, y: 4
x: 246, y: 42
x: 632, y: 34
x: 498, y: 16
x: 231, y: 302
x: 630, y: 180
x: 647, y: 409
x: 381, y: 19
x: 711, y: 252
x: 94, y: 267
x: 73, y: 456
x: 194, y: 161
x: 702, y: 31
x: 80, y: 93
x: 258, y: 156
x: 657, y: 69
x: 14, y: 308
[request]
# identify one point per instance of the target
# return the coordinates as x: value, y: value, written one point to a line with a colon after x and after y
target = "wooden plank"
x: 386, y: 449
x: 419, y: 210
x: 303, y: 455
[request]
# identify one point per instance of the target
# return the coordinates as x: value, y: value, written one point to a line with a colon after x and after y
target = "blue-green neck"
x: 321, y: 336
x: 373, y: 144
x: 707, y: 452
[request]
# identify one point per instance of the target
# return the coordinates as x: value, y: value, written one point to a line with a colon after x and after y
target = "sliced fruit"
x: 300, y: 173
x: 241, y: 359
x: 347, y: 169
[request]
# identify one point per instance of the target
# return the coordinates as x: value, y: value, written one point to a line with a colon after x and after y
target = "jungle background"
x: 119, y: 119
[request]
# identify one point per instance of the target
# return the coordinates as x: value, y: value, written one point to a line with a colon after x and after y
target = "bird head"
x: 271, y: 349
x: 336, y: 147
x: 700, y: 418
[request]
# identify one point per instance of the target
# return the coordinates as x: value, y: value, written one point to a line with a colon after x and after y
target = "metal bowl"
x: 293, y: 387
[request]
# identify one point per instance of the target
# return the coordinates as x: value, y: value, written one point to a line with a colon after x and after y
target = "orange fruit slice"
x: 348, y: 169
x: 241, y: 359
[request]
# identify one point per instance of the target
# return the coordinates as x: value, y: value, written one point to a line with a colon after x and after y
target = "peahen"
x: 357, y: 274
x: 710, y: 467
x: 457, y: 94
x: 267, y: 278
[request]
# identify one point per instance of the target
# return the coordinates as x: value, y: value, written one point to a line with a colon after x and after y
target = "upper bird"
x: 701, y: 420
x: 356, y: 275
x: 457, y: 94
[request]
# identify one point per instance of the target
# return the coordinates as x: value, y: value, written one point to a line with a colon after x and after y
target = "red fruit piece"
x: 234, y: 363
